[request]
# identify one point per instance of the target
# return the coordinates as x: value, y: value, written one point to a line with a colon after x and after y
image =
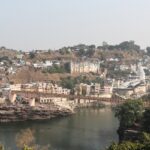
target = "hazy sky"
x: 44, y: 24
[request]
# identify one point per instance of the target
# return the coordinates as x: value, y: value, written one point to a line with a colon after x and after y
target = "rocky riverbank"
x: 12, y: 113
x: 88, y: 105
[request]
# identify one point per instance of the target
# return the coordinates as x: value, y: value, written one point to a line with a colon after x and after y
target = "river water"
x: 88, y: 129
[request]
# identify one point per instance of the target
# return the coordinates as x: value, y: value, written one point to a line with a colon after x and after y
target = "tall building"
x: 141, y: 72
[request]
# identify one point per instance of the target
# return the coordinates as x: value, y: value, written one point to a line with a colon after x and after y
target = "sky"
x: 52, y: 24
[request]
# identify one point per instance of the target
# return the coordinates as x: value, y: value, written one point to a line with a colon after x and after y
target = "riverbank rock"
x: 14, y: 113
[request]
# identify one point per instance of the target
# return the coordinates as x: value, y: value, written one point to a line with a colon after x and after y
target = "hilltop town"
x: 89, y: 73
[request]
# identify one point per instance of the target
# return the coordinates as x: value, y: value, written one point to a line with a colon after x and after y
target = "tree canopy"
x: 146, y: 120
x: 142, y: 144
x: 129, y: 112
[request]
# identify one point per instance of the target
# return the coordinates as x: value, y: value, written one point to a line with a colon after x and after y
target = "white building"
x: 40, y: 87
x: 47, y: 64
x: 85, y: 67
x: 141, y: 73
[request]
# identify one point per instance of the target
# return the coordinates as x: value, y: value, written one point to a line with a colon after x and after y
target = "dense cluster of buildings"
x: 40, y: 87
x: 134, y: 85
x: 46, y: 64
x: 93, y: 89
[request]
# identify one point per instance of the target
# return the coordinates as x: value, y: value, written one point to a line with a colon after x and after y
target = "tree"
x: 90, y: 52
x: 81, y: 52
x: 142, y: 144
x: 146, y: 120
x: 31, y: 55
x: 25, y: 140
x: 129, y: 45
x: 49, y: 51
x: 128, y: 114
x: 148, y: 50
x: 64, y: 51
x: 67, y: 67
x: 125, y: 146
x: 25, y: 137
x: 54, y: 69
x: 105, y: 45
x: 27, y: 148
x: 1, y: 147
x: 68, y: 83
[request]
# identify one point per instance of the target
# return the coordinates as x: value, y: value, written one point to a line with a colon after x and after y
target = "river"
x: 88, y: 129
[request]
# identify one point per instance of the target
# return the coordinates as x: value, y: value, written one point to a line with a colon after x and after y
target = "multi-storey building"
x: 94, y: 89
x: 41, y: 87
x: 85, y: 67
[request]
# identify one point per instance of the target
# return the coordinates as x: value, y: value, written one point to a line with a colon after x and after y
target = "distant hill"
x: 125, y: 50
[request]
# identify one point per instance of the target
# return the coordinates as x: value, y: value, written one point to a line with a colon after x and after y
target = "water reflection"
x: 88, y: 129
